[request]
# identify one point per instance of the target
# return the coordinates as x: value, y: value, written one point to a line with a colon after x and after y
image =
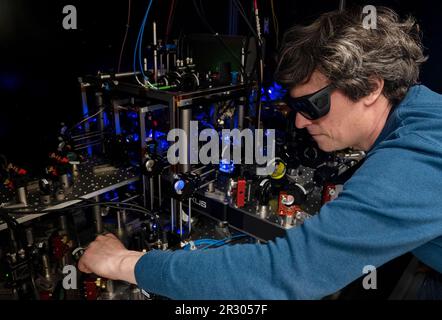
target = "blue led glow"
x: 158, y: 134
x: 105, y: 119
x: 9, y: 81
x: 179, y: 185
x: 273, y: 93
x: 163, y: 145
x: 226, y: 167
x: 133, y: 115
x: 132, y: 138
x: 107, y: 196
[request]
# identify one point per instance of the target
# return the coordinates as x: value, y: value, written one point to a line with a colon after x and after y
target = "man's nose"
x: 301, y: 122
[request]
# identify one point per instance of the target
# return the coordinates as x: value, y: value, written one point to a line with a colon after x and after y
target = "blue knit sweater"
x: 391, y: 205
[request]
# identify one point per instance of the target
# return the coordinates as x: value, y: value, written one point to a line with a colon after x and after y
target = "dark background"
x: 40, y: 61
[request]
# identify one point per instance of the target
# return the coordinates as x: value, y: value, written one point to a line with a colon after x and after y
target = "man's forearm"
x: 126, y: 266
x: 107, y: 257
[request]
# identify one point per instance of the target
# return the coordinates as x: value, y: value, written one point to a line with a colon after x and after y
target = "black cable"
x: 259, y: 62
x: 204, y: 15
x: 125, y: 36
x: 113, y: 205
x: 231, y: 240
x: 221, y: 41
x: 170, y: 20
x: 133, y: 209
x: 179, y: 45
x: 201, y: 16
x: 44, y: 209
x: 132, y: 205
x: 85, y: 119
x: 244, y: 16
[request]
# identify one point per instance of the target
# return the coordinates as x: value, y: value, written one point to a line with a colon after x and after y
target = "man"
x: 389, y: 207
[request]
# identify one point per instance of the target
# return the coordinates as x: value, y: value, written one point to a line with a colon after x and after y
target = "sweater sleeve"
x: 390, y: 206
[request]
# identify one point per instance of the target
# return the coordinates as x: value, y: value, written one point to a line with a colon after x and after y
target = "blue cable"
x: 212, y: 242
x: 201, y: 242
x: 135, y: 50
x: 140, y: 46
x: 205, y: 240
x: 226, y: 239
x: 139, y: 43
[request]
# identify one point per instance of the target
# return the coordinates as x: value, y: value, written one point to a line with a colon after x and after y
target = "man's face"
x: 341, y: 127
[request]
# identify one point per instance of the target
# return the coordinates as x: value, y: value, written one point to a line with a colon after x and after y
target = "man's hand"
x: 107, y: 257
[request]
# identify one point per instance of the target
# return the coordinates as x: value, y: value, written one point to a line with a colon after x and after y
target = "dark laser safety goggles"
x: 312, y: 106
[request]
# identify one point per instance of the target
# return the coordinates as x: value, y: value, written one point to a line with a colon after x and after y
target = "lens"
x: 321, y: 102
x: 300, y: 105
x: 308, y: 115
x: 313, y: 106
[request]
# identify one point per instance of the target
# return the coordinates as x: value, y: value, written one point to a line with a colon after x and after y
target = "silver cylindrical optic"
x: 64, y: 180
x: 263, y: 211
x: 99, y: 228
x: 21, y: 196
x: 29, y: 237
x: 185, y: 118
x: 151, y: 191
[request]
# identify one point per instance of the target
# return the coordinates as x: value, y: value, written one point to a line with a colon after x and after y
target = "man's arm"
x: 389, y: 207
x: 108, y: 257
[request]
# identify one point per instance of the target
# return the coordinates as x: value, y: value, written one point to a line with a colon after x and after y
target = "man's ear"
x: 376, y: 93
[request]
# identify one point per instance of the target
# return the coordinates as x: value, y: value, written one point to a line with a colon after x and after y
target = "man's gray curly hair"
x: 352, y: 57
